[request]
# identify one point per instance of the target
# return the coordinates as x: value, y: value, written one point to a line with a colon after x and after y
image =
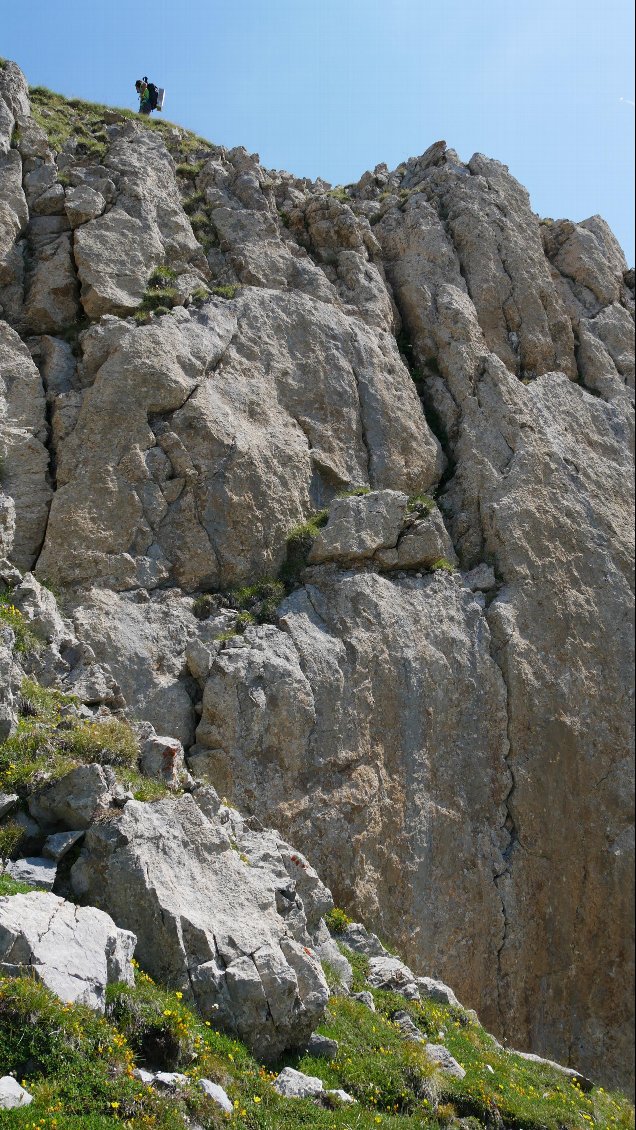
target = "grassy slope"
x: 79, y: 1067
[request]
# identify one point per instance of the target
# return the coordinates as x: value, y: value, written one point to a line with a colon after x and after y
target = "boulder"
x: 217, y: 1094
x: 391, y: 974
x: 162, y: 758
x: 409, y: 1030
x: 12, y: 1095
x: 359, y: 526
x: 39, y: 608
x: 75, y: 798
x: 60, y: 843
x: 365, y: 998
x: 425, y: 542
x: 571, y: 1073
x: 292, y: 1084
x: 75, y: 950
x: 35, y: 870
x: 437, y: 991
x: 207, y: 920
x: 7, y: 802
x: 322, y: 1047
x: 444, y: 1061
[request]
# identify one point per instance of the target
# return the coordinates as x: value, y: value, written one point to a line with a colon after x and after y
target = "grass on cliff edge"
x: 48, y: 742
x: 62, y: 118
x: 79, y: 1068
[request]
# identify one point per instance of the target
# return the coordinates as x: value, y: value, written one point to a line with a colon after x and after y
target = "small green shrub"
x: 160, y: 276
x: 228, y: 292
x: 200, y: 294
x: 9, y: 886
x: 339, y: 193
x: 299, y: 543
x: 337, y: 921
x: 421, y: 503
x: 244, y: 620
x: 442, y: 565
x: 192, y: 205
x: 260, y: 599
x: 203, y: 606
x: 11, y: 836
x: 11, y: 617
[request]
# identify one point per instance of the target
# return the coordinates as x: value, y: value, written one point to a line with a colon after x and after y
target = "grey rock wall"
x: 453, y: 750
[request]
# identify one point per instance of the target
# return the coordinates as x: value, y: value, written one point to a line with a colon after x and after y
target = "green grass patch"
x: 339, y: 193
x: 51, y: 740
x: 11, y: 617
x: 421, y: 504
x: 190, y: 169
x: 194, y: 204
x: 9, y: 886
x: 78, y: 1066
x: 299, y: 542
x: 227, y: 292
x: 337, y: 921
x: 11, y: 836
x: 442, y: 565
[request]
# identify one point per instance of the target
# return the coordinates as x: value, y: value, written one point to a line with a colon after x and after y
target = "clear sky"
x: 332, y: 87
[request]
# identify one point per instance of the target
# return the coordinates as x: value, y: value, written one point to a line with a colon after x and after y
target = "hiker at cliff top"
x: 147, y: 92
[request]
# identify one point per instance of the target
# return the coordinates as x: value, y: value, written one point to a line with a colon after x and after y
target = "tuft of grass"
x: 299, y: 542
x: 9, y: 886
x: 159, y: 296
x: 200, y: 294
x: 194, y: 204
x: 11, y: 836
x: 11, y: 617
x: 160, y: 276
x: 337, y: 921
x: 227, y: 292
x: 190, y: 169
x: 260, y: 599
x: 442, y: 565
x: 355, y: 492
x: 421, y: 503
x: 50, y: 740
x: 339, y: 193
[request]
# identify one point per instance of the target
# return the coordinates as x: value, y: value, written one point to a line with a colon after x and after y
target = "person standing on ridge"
x: 145, y: 103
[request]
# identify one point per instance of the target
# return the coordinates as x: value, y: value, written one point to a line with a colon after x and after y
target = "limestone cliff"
x: 199, y: 356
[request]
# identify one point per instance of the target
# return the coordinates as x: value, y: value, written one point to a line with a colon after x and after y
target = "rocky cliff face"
x: 198, y: 359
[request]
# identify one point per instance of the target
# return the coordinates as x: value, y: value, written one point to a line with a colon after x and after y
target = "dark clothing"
x: 145, y: 106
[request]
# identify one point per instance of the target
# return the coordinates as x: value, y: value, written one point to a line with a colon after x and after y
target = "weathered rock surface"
x: 35, y: 870
x: 11, y: 675
x: 169, y: 446
x: 453, y: 752
x: 221, y: 928
x: 23, y: 436
x: 75, y: 950
x: 374, y: 726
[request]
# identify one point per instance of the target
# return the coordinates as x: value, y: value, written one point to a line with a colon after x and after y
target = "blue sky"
x: 332, y: 87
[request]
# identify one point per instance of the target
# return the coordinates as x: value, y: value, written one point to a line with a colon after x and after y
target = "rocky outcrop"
x: 438, y: 713
x: 217, y: 918
x: 75, y: 950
